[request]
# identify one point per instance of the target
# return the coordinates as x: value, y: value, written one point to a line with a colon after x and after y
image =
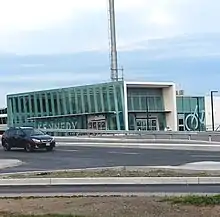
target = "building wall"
x: 188, y: 109
x: 3, y: 120
x: 216, y: 108
x: 150, y: 104
x: 143, y: 102
x: 73, y: 108
x: 113, y: 106
x: 169, y: 96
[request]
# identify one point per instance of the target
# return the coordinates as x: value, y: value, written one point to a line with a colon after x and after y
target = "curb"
x: 97, y: 194
x: 172, y: 146
x: 137, y: 144
x: 111, y: 181
x: 68, y: 139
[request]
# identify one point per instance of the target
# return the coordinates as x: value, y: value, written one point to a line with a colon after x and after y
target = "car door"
x: 19, y: 139
x: 10, y: 137
x: 9, y: 134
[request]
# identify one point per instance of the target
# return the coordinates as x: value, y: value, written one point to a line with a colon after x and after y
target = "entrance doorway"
x: 97, y: 125
x: 181, y: 122
x: 98, y: 122
x: 144, y: 125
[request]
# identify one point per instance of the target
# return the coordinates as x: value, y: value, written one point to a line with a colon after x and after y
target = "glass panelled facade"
x: 146, y: 109
x: 84, y: 107
x: 191, y: 113
x: 3, y: 116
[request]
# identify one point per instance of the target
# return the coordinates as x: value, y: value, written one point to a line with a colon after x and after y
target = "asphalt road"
x: 90, y: 157
x: 111, y: 189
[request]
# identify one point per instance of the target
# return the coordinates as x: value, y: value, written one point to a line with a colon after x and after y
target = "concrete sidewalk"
x: 111, y: 181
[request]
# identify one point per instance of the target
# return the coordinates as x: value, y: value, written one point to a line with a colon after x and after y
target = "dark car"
x: 28, y: 138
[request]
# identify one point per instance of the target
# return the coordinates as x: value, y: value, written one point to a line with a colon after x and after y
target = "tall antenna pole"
x: 114, y: 59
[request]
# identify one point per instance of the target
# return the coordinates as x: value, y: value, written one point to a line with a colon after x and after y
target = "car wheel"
x: 6, y: 146
x: 28, y: 147
x: 50, y: 148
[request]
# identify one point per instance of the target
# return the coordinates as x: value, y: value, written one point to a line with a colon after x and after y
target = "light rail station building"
x: 118, y: 105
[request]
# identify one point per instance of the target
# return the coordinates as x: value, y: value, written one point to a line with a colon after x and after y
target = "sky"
x: 57, y: 43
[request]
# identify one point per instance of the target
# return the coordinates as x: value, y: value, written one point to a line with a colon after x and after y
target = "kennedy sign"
x: 57, y: 124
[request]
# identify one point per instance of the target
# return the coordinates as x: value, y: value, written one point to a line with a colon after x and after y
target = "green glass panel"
x: 136, y: 102
x: 92, y: 100
x: 105, y: 99
x: 44, y: 102
x: 159, y: 104
x: 16, y: 105
x: 79, y: 100
x: 21, y: 99
x: 101, y: 98
x: 191, y: 113
x: 119, y: 97
x: 65, y: 102
x: 70, y: 101
x: 112, y: 101
x: 98, y: 99
x: 130, y: 104
x: 143, y: 104
x: 151, y: 103
x: 73, y: 101
x: 83, y: 100
x: 26, y: 104
x: 49, y: 104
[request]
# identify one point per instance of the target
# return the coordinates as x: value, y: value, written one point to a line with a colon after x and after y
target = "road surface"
x: 90, y: 157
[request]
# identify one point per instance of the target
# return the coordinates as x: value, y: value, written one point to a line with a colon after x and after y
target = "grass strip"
x: 194, y: 200
x: 111, y: 173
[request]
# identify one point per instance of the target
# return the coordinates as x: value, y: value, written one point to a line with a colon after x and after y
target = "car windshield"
x: 33, y: 132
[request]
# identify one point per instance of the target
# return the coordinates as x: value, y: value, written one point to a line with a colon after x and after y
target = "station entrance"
x: 97, y: 122
x: 144, y: 124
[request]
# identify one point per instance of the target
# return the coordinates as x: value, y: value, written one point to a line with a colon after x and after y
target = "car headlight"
x: 36, y: 140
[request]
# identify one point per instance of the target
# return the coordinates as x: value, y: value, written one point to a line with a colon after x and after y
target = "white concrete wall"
x: 126, y: 106
x: 216, y: 106
x: 169, y: 96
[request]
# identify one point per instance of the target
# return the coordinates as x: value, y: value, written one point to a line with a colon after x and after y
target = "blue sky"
x: 53, y: 43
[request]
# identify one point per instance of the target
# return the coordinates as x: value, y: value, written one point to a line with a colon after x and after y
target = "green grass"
x: 195, y: 200
x: 109, y: 173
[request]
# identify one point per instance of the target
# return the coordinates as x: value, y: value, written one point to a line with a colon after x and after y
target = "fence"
x: 151, y: 135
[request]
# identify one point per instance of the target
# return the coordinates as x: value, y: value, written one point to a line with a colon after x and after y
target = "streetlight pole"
x: 212, y: 109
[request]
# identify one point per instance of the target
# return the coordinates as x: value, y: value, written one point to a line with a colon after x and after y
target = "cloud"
x: 42, y: 14
x: 184, y: 46
x: 31, y: 65
x: 34, y: 82
x: 55, y: 26
x: 67, y: 42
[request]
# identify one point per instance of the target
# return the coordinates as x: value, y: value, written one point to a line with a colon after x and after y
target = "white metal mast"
x: 114, y: 58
